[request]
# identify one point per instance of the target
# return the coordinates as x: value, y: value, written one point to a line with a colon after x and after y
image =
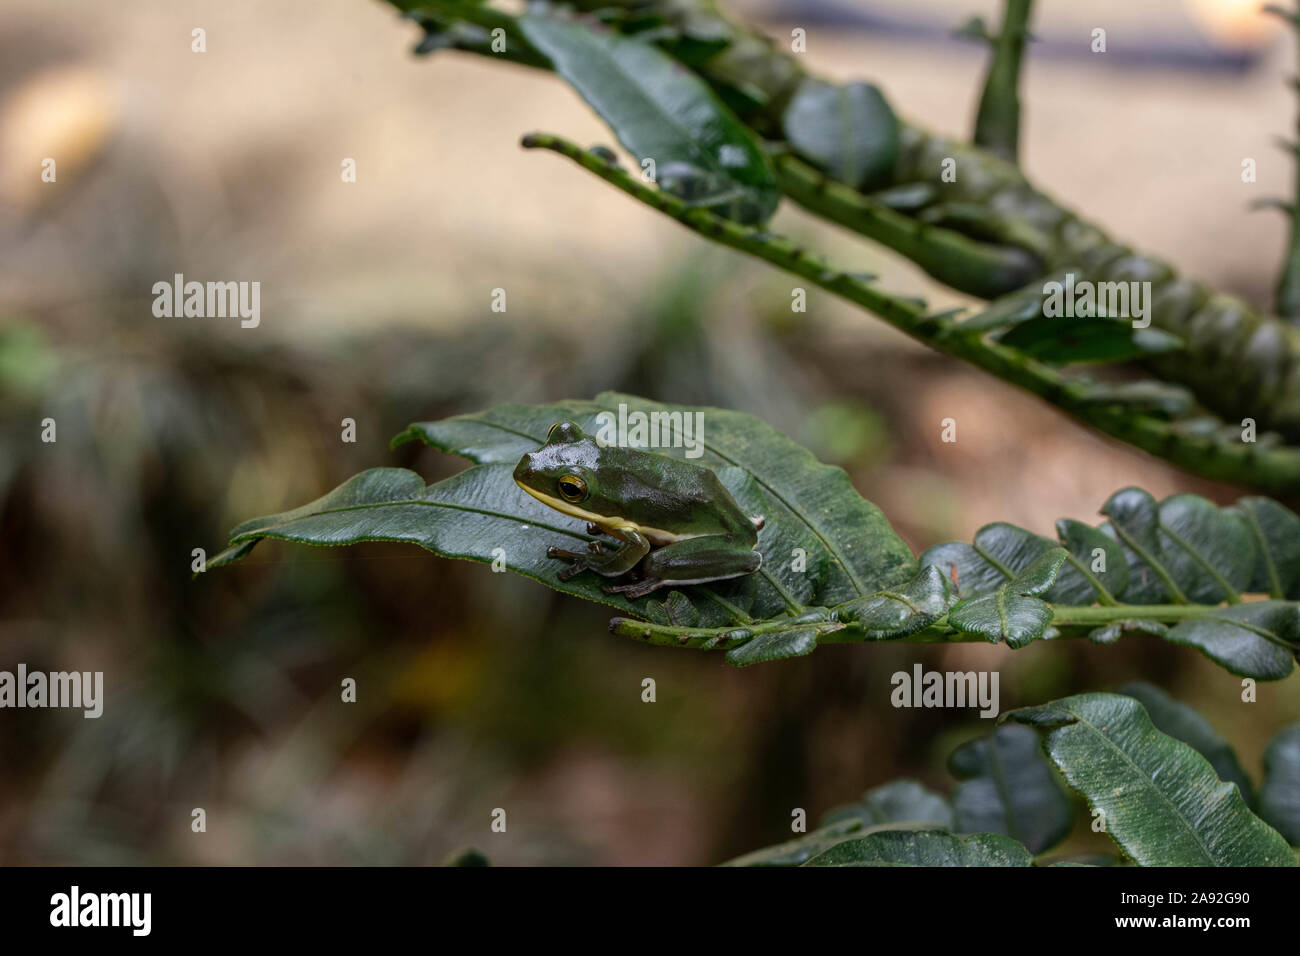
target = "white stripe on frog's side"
x: 609, y: 524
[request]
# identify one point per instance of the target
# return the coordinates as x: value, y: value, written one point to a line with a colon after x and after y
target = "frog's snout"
x: 524, y: 470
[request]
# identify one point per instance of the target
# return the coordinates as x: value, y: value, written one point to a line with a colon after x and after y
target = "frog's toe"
x: 568, y: 555
x: 565, y: 573
x: 636, y: 589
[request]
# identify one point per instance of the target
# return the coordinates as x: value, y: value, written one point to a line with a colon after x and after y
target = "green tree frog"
x: 677, y: 523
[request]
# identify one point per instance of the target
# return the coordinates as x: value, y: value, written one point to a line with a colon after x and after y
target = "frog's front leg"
x: 611, y: 564
x: 593, y: 547
x: 693, y: 561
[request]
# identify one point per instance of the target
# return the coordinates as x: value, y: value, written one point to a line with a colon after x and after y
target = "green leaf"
x: 1276, y: 530
x: 903, y: 610
x: 659, y: 110
x: 1199, y: 548
x: 924, y: 848
x: 1081, y: 577
x: 680, y: 611
x: 848, y: 130
x: 999, y: 552
x: 1154, y: 398
x: 1012, y: 309
x: 1008, y: 787
x: 772, y: 640
x: 774, y: 646
x: 1185, y: 548
x: 1089, y: 859
x: 471, y: 515
x: 1279, y: 797
x: 1183, y: 723
x: 831, y: 561
x: 902, y: 801
x: 849, y: 548
x: 907, y: 197
x: 1161, y: 800
x: 1012, y: 613
x: 469, y: 856
x: 903, y: 806
x: 1061, y: 341
x: 801, y: 849
x: 1257, y: 640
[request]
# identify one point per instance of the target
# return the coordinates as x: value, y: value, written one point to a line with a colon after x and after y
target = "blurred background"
x: 480, y: 691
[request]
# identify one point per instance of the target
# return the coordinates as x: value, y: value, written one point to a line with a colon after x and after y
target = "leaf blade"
x: 1013, y: 613
x: 1177, y: 720
x: 1161, y: 800
x: 899, y: 801
x: 850, y: 548
x: 848, y: 544
x: 659, y: 110
x: 1279, y: 797
x: 849, y: 130
x: 924, y: 848
x: 1007, y: 787
x: 1259, y: 639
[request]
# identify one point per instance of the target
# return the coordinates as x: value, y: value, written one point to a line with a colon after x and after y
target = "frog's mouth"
x: 568, y: 507
x: 609, y: 525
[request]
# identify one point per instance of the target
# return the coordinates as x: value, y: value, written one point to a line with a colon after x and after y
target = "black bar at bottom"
x: 335, y: 905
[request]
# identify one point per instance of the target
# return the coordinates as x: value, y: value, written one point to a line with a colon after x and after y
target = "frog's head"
x: 564, y: 473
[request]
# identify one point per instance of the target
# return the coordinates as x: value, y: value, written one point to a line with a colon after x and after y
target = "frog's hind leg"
x: 637, y: 589
x: 690, y: 561
x: 611, y: 564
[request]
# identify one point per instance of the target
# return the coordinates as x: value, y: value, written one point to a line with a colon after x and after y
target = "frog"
x: 675, y: 521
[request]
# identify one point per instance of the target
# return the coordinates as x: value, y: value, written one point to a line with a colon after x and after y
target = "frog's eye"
x: 564, y: 432
x: 572, y: 488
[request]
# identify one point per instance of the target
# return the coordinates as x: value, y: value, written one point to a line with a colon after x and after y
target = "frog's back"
x: 678, y: 495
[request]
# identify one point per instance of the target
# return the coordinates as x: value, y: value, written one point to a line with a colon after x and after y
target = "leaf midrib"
x: 1230, y: 593
x: 1000, y: 782
x: 1252, y: 628
x: 1274, y: 576
x: 266, y: 529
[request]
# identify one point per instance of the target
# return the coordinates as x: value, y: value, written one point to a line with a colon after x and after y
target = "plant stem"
x: 977, y: 268
x: 997, y: 125
x: 723, y: 638
x: 1094, y: 616
x: 756, y: 78
x: 831, y: 631
x: 1274, y: 469
x: 1287, y: 295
